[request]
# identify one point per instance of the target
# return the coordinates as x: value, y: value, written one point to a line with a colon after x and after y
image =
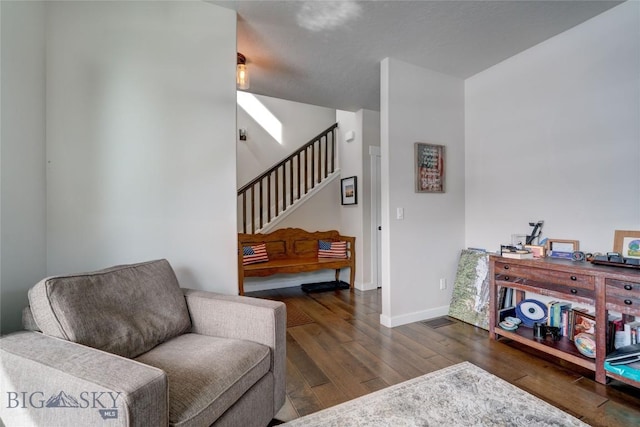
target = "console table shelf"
x: 603, y: 287
x: 564, y: 348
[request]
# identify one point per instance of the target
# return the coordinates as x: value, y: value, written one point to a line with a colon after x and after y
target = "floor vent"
x: 438, y: 322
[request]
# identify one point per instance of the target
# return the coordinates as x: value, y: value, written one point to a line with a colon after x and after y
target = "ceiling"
x: 328, y: 53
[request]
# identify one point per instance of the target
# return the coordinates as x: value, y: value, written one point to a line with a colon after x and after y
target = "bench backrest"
x: 293, y: 242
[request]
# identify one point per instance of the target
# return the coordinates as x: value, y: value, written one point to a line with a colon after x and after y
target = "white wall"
x: 141, y: 138
x: 318, y: 213
x: 419, y: 105
x: 554, y: 134
x: 22, y: 151
x: 370, y: 138
x: 351, y: 165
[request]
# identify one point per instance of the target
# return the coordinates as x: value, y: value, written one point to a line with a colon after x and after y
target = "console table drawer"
x: 622, y: 287
x: 624, y: 303
x: 567, y: 281
x: 623, y: 296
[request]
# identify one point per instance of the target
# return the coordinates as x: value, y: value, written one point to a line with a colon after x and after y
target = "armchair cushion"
x: 36, y: 367
x: 126, y: 310
x: 207, y: 375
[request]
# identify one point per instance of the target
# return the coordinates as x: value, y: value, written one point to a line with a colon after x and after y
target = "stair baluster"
x: 315, y: 167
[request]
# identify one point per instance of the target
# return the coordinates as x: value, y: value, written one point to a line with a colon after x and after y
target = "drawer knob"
x: 506, y: 278
x: 574, y: 278
x: 506, y: 267
x: 628, y: 302
x: 628, y: 287
x: 574, y: 291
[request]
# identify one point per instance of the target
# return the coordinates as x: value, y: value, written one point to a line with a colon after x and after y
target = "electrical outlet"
x: 443, y: 283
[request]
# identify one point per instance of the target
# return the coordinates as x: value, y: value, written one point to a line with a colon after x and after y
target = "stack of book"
x: 625, y: 333
x: 507, y: 251
x: 624, y: 355
x: 558, y: 316
x: 624, y: 361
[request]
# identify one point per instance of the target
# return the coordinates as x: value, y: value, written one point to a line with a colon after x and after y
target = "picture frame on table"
x: 429, y: 168
x: 627, y: 243
x: 349, y: 190
x: 562, y: 248
x: 583, y: 322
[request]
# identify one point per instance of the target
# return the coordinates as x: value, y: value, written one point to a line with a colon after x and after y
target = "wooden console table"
x: 603, y: 287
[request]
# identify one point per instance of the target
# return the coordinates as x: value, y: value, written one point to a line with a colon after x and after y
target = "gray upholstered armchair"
x: 127, y: 346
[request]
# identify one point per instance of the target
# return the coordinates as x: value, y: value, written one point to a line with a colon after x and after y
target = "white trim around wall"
x: 392, y: 322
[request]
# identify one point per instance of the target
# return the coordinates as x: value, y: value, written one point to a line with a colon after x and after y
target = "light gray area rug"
x: 460, y: 395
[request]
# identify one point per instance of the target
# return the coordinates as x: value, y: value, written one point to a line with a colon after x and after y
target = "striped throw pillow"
x: 332, y: 249
x: 254, y: 254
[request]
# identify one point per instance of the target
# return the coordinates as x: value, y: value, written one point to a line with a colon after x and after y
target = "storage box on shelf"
x: 603, y: 287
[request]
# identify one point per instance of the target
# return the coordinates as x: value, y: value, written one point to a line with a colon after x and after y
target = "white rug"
x: 460, y: 395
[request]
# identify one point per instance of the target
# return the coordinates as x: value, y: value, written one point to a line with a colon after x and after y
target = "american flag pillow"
x: 332, y: 249
x: 254, y: 254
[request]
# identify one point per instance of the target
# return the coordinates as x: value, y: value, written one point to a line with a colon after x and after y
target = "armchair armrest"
x: 252, y: 319
x: 49, y: 381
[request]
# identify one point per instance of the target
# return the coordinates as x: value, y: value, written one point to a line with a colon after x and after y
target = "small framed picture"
x: 429, y: 166
x: 583, y: 322
x: 627, y: 243
x: 561, y: 248
x: 349, y: 190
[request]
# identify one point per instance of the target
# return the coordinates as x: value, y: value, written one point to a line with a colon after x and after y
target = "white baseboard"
x: 417, y: 316
x: 365, y: 286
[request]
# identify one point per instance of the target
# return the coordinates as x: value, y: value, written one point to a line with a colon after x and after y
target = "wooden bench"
x: 293, y: 250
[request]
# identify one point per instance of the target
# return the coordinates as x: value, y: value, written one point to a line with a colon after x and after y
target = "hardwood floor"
x: 337, y: 350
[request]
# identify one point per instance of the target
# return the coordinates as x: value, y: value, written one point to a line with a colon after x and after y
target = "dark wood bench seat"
x: 293, y: 250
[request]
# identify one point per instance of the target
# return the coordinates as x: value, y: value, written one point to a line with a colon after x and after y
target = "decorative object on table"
x: 531, y: 311
x: 586, y: 344
x: 349, y: 190
x: 518, y: 240
x: 578, y: 256
x: 513, y: 320
x: 535, y: 232
x: 508, y: 325
x: 562, y: 248
x: 537, y: 250
x: 470, y: 299
x: 542, y: 331
x: 458, y: 395
x: 615, y: 259
x: 429, y: 167
x: 627, y: 243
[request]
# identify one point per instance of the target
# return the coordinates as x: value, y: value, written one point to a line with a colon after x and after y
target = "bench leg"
x: 352, y: 277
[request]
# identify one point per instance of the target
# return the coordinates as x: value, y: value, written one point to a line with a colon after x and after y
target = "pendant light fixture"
x: 242, y: 74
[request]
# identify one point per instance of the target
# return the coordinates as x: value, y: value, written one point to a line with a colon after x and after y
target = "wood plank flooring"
x: 345, y: 353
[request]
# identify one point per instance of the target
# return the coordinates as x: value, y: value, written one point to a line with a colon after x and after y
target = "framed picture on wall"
x: 349, y: 190
x: 429, y: 166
